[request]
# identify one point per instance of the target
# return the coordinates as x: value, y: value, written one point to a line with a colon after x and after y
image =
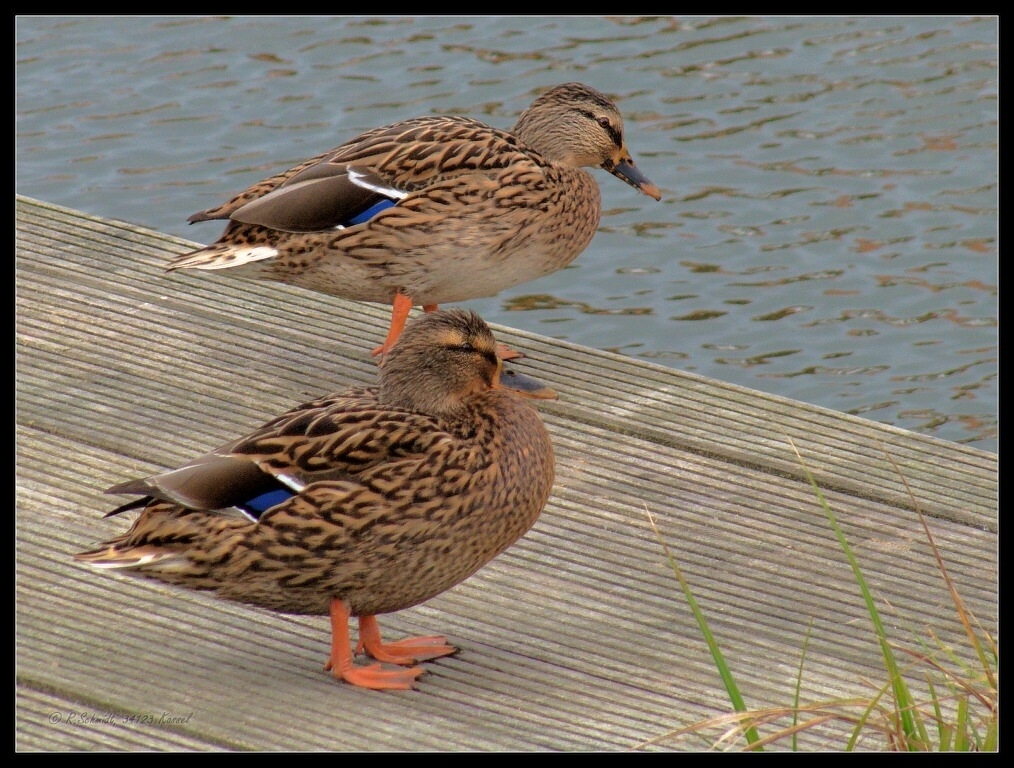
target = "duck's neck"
x: 547, y: 134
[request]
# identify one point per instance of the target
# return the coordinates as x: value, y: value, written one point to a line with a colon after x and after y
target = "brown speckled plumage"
x: 403, y: 492
x: 476, y: 209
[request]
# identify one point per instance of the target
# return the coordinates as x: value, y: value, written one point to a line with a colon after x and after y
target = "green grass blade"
x: 750, y: 733
x: 799, y: 686
x: 904, y: 705
x: 959, y: 604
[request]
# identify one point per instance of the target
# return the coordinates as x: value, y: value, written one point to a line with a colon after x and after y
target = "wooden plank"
x: 576, y: 638
x: 49, y: 722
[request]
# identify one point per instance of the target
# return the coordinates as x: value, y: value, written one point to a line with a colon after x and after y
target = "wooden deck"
x: 577, y: 638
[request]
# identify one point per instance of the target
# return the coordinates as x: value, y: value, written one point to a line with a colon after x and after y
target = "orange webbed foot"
x: 407, y: 651
x: 375, y: 676
x: 340, y: 663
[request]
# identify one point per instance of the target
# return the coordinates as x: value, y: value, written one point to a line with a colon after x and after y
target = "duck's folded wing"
x: 338, y: 437
x: 391, y: 161
x: 211, y: 482
x: 334, y: 438
x: 230, y: 478
x: 321, y: 197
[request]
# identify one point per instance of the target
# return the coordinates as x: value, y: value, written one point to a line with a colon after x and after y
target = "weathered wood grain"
x: 577, y: 638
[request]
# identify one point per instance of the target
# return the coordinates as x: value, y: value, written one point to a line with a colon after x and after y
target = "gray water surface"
x: 829, y: 224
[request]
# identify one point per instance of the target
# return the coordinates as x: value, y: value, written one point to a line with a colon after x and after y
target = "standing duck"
x: 359, y: 503
x: 431, y: 210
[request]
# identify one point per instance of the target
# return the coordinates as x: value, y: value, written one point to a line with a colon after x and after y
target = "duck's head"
x: 576, y: 125
x: 442, y: 359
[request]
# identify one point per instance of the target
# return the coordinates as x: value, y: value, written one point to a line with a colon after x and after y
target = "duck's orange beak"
x: 525, y: 386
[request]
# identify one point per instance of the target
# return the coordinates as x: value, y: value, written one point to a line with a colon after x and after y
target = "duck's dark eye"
x: 466, y: 347
x: 604, y: 122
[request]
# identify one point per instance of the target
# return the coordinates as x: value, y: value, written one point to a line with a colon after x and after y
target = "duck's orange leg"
x: 342, y: 666
x: 407, y: 651
x: 402, y: 305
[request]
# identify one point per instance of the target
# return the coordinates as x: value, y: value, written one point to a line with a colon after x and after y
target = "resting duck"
x: 359, y: 503
x: 431, y: 210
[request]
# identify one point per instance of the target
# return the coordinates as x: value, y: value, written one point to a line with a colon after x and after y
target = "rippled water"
x: 829, y: 225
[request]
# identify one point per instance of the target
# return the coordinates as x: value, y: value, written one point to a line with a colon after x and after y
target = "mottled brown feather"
x: 483, y: 209
x: 410, y: 488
